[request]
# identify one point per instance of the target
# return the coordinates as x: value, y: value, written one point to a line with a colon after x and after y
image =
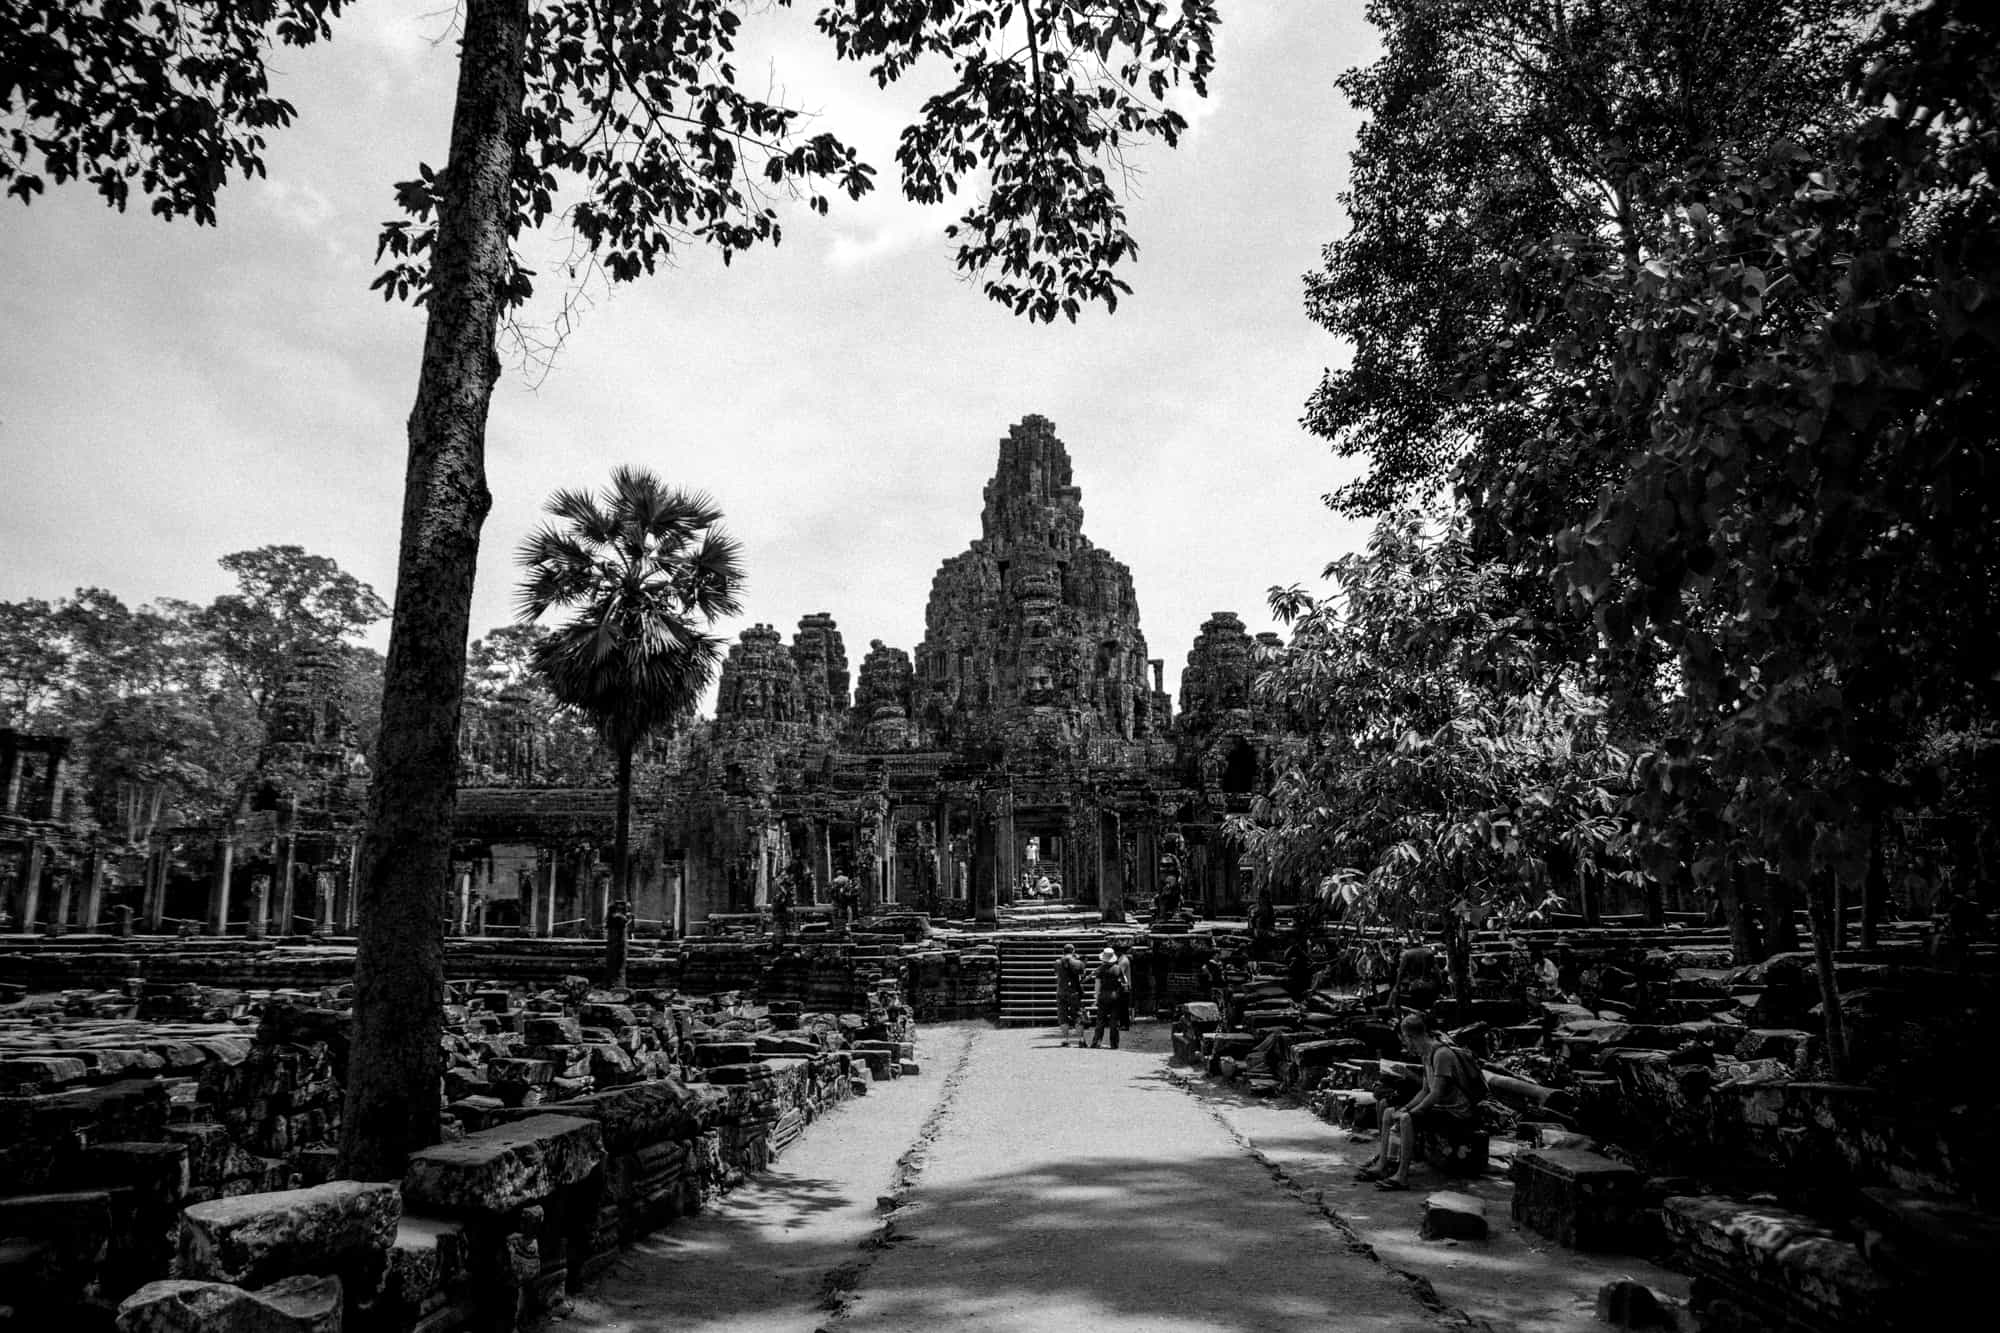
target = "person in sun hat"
x: 1114, y: 983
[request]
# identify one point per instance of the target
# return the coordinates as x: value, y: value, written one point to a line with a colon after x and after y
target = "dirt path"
x: 1081, y: 1189
x: 1015, y: 1184
x: 1513, y: 1280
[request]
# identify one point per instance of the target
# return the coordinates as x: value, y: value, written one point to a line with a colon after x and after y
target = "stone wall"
x: 120, y: 1110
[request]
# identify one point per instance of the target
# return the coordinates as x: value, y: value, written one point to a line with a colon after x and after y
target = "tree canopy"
x: 1694, y: 307
x: 166, y: 702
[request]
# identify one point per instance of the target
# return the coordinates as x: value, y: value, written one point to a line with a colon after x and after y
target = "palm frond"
x: 644, y: 568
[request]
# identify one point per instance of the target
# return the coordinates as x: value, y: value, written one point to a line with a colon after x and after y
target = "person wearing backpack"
x: 1454, y: 1086
x: 1114, y: 984
x: 1070, y: 973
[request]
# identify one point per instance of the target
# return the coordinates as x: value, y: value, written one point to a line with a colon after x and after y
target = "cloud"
x: 297, y: 202
x: 882, y: 226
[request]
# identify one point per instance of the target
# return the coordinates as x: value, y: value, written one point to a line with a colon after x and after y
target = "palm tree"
x: 646, y: 569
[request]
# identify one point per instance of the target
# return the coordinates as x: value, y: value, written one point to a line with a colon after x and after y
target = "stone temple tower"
x: 1031, y: 638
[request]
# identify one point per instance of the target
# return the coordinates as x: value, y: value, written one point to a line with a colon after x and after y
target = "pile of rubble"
x: 168, y: 1148
x: 1649, y: 1098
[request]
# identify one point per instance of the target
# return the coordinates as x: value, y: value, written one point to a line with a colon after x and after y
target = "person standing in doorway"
x: 1069, y: 993
x: 1114, y: 984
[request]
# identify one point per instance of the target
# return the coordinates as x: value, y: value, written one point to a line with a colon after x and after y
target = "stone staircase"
x: 1028, y: 973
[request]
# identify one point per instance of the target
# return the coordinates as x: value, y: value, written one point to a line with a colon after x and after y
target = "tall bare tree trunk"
x: 1875, y: 890
x: 1745, y: 944
x: 395, y: 1067
x: 1820, y: 907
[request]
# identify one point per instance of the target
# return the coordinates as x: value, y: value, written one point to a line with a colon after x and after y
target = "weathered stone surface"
x: 1580, y: 1199
x: 428, y: 1256
x: 1449, y: 1215
x: 1623, y: 1303
x: 638, y: 1115
x: 1033, y: 633
x: 344, y: 1227
x: 1778, y: 1269
x: 293, y: 1305
x: 551, y: 1030
x: 503, y: 1168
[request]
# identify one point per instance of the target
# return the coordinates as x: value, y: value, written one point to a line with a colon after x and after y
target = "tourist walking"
x: 1114, y: 984
x: 1069, y: 993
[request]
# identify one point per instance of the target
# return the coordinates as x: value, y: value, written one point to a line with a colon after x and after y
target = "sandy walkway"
x: 1049, y: 1189
x: 1078, y: 1189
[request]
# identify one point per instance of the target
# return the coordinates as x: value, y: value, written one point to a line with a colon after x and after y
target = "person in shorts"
x: 1453, y: 1088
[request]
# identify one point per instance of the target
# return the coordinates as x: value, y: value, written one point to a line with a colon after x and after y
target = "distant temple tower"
x: 1032, y: 635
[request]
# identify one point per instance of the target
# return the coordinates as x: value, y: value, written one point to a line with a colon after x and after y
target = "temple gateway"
x: 1028, y: 748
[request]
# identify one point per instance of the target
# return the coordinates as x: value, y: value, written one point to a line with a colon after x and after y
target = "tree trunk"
x: 1820, y: 902
x: 1745, y: 947
x: 1458, y: 953
x: 621, y: 838
x: 1782, y: 930
x: 395, y: 1065
x: 1656, y: 902
x: 1875, y: 889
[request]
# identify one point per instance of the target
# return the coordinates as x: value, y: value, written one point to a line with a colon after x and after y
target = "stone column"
x: 545, y: 922
x: 985, y: 866
x: 31, y: 887
x: 352, y: 912
x: 823, y: 862
x: 1009, y: 851
x: 892, y: 862
x: 59, y: 923
x: 323, y: 893
x: 461, y: 910
x: 1110, y: 868
x: 259, y: 915
x: 941, y: 851
x: 281, y: 922
x: 1146, y: 857
x: 93, y: 894
x: 218, y: 889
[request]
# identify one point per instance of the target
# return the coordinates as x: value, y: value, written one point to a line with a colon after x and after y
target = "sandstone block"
x: 427, y: 1258
x: 344, y: 1227
x: 506, y: 1167
x: 1580, y: 1199
x: 638, y: 1115
x: 552, y: 1030
x: 1449, y: 1215
x: 1623, y: 1303
x: 1780, y: 1269
x: 293, y: 1305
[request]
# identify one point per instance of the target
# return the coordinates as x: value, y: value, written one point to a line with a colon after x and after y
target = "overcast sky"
x: 172, y: 394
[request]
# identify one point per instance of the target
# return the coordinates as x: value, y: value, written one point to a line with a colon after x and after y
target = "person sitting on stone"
x: 1448, y: 1103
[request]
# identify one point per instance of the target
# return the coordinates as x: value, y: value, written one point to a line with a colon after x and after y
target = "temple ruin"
x: 1031, y: 727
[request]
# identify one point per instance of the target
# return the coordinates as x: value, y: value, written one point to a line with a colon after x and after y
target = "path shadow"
x: 1202, y: 1241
